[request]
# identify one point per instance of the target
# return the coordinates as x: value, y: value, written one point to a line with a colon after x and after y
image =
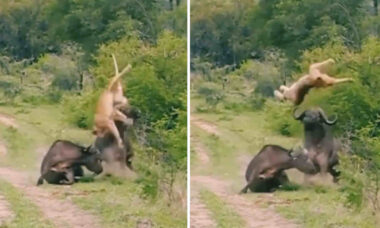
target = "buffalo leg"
x: 333, y: 162
x: 78, y: 172
x: 323, y: 162
x: 249, y: 184
x: 129, y: 162
x: 251, y: 180
x: 40, y: 181
x: 245, y: 189
x: 335, y: 173
x: 69, y: 177
x: 283, y: 178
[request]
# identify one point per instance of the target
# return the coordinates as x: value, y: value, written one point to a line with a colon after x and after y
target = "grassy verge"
x: 26, y: 213
x: 38, y: 126
x: 317, y: 207
x: 119, y: 203
x: 223, y: 215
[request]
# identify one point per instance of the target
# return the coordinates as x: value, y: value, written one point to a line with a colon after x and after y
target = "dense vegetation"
x: 243, y: 50
x: 58, y: 52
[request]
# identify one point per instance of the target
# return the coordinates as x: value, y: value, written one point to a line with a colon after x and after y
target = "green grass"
x: 242, y: 134
x: 26, y: 213
x: 317, y: 208
x: 18, y: 146
x: 221, y: 212
x: 119, y: 203
x: 38, y: 126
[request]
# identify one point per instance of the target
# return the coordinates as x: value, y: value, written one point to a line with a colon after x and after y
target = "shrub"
x: 257, y: 101
x: 212, y: 93
x: 79, y: 110
x: 279, y: 118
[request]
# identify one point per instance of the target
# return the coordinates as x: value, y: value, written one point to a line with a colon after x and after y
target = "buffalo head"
x: 93, y: 159
x: 313, y: 116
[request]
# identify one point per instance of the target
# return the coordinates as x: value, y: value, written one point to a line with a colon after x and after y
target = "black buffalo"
x: 62, y: 163
x: 319, y: 143
x: 266, y: 171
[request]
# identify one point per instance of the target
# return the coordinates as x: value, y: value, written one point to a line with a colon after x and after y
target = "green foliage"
x: 35, y: 27
x: 257, y: 101
x: 174, y: 20
x: 79, y: 109
x: 353, y: 180
x: 361, y: 170
x: 61, y: 70
x: 24, y: 29
x: 265, y: 74
x: 218, y: 31
x: 229, y: 32
x: 279, y: 119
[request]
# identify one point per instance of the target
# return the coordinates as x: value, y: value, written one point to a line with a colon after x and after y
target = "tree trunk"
x: 375, y: 6
x: 171, y: 4
x: 81, y: 81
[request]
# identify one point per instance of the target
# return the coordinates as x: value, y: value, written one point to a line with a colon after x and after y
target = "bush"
x: 12, y: 92
x: 257, y: 101
x: 212, y: 93
x: 279, y: 118
x: 265, y: 74
x: 79, y: 110
x: 61, y: 70
x: 54, y: 96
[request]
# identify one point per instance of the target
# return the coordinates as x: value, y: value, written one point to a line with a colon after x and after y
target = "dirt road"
x: 61, y: 213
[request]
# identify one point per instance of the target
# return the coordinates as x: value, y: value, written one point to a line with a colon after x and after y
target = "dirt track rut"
x: 8, y: 121
x: 6, y: 214
x: 61, y: 213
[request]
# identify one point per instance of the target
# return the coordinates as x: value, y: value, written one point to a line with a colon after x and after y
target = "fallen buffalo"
x: 62, y: 163
x: 266, y: 172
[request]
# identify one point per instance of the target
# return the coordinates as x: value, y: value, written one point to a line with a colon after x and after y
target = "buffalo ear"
x: 91, y: 150
x: 298, y: 116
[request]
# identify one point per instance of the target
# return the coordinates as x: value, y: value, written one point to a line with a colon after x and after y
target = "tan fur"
x: 60, y: 167
x: 317, y: 78
x: 107, y: 107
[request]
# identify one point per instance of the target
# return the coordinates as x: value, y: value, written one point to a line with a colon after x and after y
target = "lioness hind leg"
x: 112, y: 127
x: 103, y: 125
x: 320, y: 67
x: 117, y: 115
x: 328, y: 81
x: 283, y: 88
x: 279, y: 95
